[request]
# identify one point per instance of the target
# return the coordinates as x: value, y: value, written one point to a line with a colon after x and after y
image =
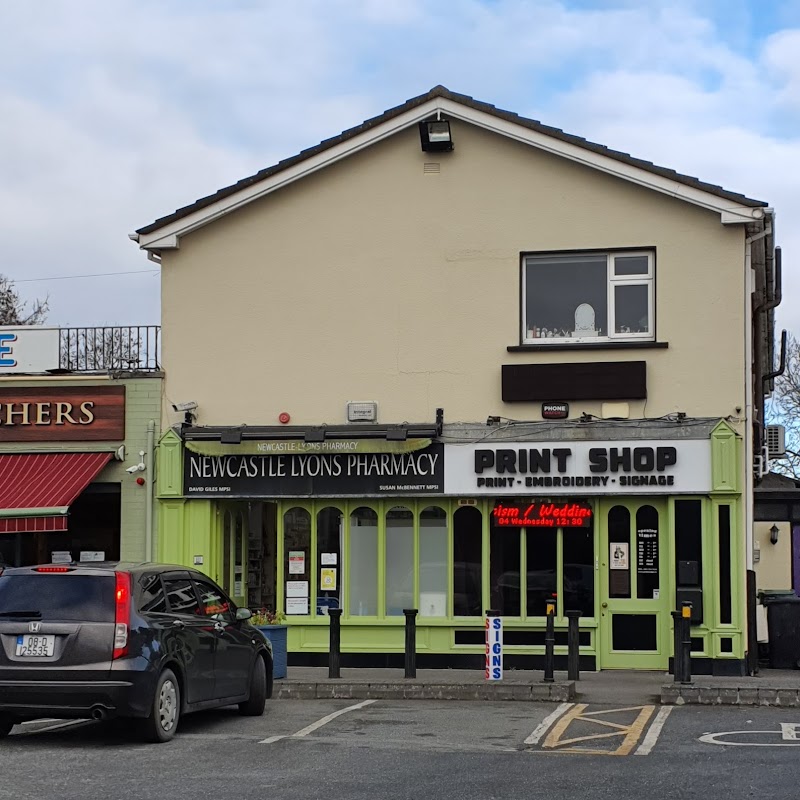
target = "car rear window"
x: 58, y: 598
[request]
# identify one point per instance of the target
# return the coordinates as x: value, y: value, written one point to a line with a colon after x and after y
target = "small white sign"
x: 238, y: 588
x: 61, y: 557
x: 618, y: 555
x: 494, y: 649
x: 297, y: 562
x: 26, y: 349
x: 297, y: 605
x: 93, y: 555
x: 329, y: 559
x: 297, y: 588
x: 197, y: 560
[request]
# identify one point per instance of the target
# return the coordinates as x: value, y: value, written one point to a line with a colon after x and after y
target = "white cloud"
x: 113, y: 114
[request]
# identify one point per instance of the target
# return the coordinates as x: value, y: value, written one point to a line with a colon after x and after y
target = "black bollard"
x: 335, y: 652
x: 573, y: 646
x: 549, y: 644
x: 411, y: 642
x: 686, y: 642
x: 677, y: 636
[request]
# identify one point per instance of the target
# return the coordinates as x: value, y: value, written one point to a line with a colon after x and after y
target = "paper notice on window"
x: 297, y: 588
x: 327, y: 579
x: 329, y: 559
x: 618, y: 555
x: 297, y: 562
x: 60, y: 557
x: 297, y: 605
x: 238, y: 588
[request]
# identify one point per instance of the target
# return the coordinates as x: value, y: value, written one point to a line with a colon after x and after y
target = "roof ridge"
x: 466, y: 100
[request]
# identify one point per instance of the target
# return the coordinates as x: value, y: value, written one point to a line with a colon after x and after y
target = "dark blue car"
x: 146, y: 641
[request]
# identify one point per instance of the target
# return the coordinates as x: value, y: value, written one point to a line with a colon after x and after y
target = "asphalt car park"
x: 398, y: 749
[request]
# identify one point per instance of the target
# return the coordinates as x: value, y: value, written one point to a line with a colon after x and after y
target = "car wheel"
x: 165, y: 711
x: 254, y: 705
x: 6, y: 724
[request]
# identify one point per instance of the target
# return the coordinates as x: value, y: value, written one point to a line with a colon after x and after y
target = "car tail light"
x: 53, y: 569
x: 122, y: 613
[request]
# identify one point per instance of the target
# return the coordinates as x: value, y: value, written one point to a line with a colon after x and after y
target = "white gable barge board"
x: 168, y: 236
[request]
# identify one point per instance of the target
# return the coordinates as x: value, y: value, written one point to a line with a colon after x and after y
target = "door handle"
x: 604, y: 605
x: 178, y: 623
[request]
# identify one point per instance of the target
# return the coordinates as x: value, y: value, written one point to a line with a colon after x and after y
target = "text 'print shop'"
x: 374, y: 522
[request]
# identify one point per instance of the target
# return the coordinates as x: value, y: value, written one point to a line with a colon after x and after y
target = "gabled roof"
x: 733, y: 207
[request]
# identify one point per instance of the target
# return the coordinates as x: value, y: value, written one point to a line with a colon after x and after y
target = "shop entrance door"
x: 634, y: 600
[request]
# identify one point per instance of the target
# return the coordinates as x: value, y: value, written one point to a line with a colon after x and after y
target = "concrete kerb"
x: 558, y: 692
x: 674, y: 694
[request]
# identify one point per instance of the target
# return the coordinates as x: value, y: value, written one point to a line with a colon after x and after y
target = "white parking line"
x: 649, y: 741
x: 303, y: 732
x: 542, y: 727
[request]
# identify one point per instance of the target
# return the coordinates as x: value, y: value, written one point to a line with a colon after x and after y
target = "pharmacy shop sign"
x: 567, y: 468
x: 346, y: 474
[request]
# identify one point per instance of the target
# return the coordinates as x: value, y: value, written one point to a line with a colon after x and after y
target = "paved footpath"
x: 770, y: 687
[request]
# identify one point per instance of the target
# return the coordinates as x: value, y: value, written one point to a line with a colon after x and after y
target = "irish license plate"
x: 35, y: 645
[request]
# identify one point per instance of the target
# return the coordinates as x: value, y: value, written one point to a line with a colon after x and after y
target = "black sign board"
x: 314, y: 474
x: 555, y: 410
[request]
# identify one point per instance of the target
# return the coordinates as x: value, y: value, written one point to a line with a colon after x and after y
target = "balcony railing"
x: 135, y: 348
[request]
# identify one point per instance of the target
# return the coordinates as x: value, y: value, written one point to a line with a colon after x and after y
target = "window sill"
x: 541, y: 348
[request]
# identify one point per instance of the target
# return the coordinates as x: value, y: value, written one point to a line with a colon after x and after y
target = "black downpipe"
x: 782, y: 365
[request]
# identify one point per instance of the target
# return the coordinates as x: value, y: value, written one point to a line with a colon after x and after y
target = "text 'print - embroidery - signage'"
x: 62, y: 414
x: 303, y: 475
x: 559, y: 468
x: 542, y: 514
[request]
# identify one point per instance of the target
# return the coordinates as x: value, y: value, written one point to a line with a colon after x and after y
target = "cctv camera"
x: 134, y: 468
x: 190, y: 406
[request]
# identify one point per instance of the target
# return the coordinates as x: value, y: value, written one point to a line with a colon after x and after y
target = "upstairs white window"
x: 587, y: 298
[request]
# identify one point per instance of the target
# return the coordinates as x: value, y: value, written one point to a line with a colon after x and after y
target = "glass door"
x: 634, y: 612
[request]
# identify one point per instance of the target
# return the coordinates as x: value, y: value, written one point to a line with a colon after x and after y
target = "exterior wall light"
x: 435, y: 136
x: 773, y: 534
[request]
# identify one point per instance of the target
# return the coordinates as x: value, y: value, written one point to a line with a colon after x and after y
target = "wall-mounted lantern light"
x: 773, y: 534
x: 435, y: 136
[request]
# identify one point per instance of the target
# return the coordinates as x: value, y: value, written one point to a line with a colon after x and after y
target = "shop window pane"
x: 631, y: 265
x: 504, y: 589
x: 725, y: 609
x: 433, y: 562
x: 399, y: 561
x: 363, y: 567
x: 542, y: 555
x: 578, y: 569
x: 238, y: 557
x: 329, y: 549
x: 689, y: 542
x: 619, y: 546
x: 296, y: 559
x: 636, y: 632
x: 647, y: 559
x: 467, y: 540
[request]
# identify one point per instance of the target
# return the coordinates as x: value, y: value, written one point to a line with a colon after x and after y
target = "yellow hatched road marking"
x: 631, y: 732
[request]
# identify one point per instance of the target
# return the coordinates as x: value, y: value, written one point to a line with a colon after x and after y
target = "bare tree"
x: 783, y: 408
x: 13, y: 311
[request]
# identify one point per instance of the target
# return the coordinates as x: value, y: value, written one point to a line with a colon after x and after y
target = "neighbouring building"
x: 80, y: 413
x: 455, y: 360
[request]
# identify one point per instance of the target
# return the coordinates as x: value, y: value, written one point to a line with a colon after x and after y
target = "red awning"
x: 37, y: 489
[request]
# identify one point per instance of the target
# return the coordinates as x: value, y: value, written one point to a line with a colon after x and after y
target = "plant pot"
x: 277, y: 635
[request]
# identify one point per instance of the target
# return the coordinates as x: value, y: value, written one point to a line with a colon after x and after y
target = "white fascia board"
x: 168, y: 237
x: 729, y: 211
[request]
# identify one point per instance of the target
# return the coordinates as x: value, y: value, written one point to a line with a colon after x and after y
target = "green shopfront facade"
x: 619, y: 529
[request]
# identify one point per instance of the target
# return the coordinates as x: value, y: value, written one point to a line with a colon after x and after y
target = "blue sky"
x: 113, y: 114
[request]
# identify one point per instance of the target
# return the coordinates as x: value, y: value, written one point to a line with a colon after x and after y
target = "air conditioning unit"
x: 776, y: 441
x: 761, y: 463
